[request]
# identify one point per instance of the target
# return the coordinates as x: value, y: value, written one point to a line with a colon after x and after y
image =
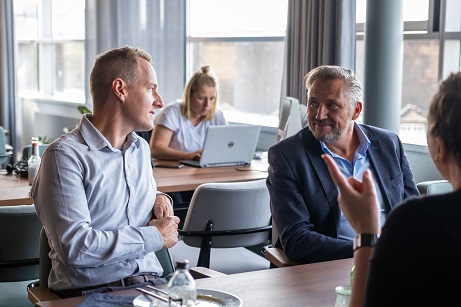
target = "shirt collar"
x: 364, y: 142
x: 96, y: 141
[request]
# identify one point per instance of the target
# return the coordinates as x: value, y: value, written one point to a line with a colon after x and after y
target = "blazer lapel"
x: 314, y: 151
x: 377, y: 160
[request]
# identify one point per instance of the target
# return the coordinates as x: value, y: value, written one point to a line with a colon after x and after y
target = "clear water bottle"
x: 33, y: 164
x: 181, y: 287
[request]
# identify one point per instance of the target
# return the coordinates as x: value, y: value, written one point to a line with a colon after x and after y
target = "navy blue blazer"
x: 304, y: 199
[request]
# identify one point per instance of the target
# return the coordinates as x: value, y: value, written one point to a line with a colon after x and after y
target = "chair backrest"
x: 163, y: 256
x: 45, y: 261
x: 434, y: 187
x: 231, y: 206
x: 289, y: 118
x: 19, y: 243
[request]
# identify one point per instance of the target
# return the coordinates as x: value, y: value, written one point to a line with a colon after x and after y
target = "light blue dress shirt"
x: 356, y: 170
x: 95, y: 202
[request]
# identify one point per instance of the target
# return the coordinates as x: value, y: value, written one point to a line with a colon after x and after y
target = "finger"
x: 367, y: 181
x: 336, y: 175
x: 175, y: 219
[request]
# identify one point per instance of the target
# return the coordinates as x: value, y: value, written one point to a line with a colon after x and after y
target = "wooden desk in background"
x: 14, y: 190
x: 302, y: 285
x: 188, y: 178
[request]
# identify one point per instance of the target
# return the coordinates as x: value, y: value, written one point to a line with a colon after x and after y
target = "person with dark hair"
x: 95, y: 193
x: 180, y: 128
x: 414, y: 259
x: 310, y: 225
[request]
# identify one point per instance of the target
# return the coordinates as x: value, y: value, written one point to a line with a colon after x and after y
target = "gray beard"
x: 332, y: 136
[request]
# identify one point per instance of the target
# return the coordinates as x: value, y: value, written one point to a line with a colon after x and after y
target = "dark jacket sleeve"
x: 306, y: 215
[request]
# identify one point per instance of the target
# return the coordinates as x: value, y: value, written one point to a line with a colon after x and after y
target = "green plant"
x: 83, y: 110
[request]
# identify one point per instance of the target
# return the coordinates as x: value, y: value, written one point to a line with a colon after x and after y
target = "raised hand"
x: 356, y: 199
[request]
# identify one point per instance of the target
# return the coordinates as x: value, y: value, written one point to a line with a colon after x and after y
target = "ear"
x: 357, y: 111
x: 440, y: 152
x: 119, y: 88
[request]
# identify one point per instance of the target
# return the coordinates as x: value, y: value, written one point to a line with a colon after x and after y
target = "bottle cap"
x: 182, y: 264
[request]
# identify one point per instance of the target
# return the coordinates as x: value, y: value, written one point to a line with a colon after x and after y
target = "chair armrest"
x: 221, y: 233
x: 40, y: 294
x: 202, y: 272
x: 278, y: 257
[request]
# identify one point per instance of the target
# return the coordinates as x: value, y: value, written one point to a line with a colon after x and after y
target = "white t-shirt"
x: 186, y: 137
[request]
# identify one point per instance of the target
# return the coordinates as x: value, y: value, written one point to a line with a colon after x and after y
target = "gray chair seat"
x: 224, y: 219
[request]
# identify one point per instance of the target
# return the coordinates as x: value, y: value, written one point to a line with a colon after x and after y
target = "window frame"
x: 226, y: 39
x: 44, y: 43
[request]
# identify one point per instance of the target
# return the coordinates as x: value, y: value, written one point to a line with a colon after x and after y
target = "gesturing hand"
x: 356, y: 199
x: 168, y: 228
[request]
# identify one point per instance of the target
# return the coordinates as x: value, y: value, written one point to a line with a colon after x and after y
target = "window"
x: 430, y: 54
x: 50, y: 46
x: 243, y: 42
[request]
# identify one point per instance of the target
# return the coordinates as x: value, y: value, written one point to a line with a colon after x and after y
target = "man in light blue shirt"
x: 95, y: 192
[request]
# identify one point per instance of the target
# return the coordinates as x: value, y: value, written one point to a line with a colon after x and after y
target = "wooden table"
x: 15, y: 190
x: 188, y: 178
x: 303, y: 285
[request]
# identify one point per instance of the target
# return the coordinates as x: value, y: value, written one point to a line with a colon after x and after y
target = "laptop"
x: 231, y: 145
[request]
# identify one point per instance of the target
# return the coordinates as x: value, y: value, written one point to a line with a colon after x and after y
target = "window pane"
x: 453, y: 16
x: 66, y: 13
x: 240, y: 18
x: 419, y: 83
x: 249, y: 75
x: 420, y: 66
x: 27, y: 68
x: 69, y: 71
x: 25, y: 19
x: 451, y: 57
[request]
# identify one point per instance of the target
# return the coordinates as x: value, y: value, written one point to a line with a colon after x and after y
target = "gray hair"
x: 330, y: 72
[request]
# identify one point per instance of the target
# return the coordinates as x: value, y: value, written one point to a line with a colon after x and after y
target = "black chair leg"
x: 205, y: 249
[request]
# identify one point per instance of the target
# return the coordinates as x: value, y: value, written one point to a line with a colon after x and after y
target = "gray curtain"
x: 157, y: 26
x: 8, y: 97
x: 319, y: 32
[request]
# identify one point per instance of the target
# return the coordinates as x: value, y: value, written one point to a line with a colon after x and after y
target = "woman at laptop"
x: 180, y: 129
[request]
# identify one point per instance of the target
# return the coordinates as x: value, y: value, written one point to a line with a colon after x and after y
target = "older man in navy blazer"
x: 310, y: 225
